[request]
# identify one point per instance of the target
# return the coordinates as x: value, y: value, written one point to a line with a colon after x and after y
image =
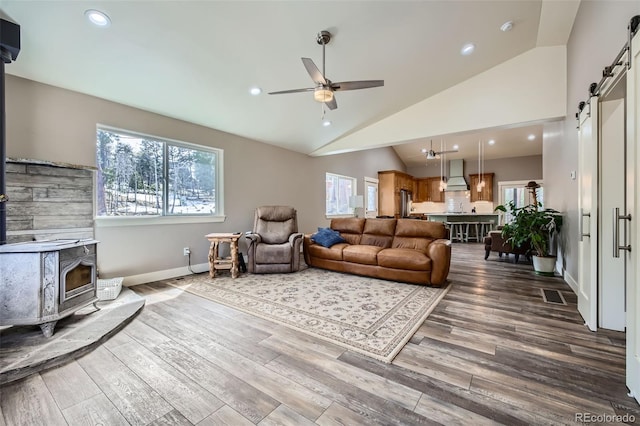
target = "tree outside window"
x: 143, y: 176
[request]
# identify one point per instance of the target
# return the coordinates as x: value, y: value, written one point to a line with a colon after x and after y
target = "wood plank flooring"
x: 492, y: 352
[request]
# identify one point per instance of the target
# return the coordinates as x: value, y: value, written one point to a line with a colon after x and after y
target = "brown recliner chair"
x: 495, y: 242
x: 274, y: 245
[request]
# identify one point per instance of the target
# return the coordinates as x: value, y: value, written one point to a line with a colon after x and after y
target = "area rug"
x: 370, y: 316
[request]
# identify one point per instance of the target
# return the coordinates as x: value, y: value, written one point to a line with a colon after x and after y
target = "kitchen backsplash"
x: 453, y: 203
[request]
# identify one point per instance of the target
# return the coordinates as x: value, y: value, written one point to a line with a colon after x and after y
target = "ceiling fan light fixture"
x: 322, y: 94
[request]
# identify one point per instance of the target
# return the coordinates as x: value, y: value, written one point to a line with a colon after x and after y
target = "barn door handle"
x: 616, y: 232
x: 581, y: 224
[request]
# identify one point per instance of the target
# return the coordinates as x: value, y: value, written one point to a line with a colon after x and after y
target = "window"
x: 515, y: 191
x: 140, y: 175
x: 338, y: 191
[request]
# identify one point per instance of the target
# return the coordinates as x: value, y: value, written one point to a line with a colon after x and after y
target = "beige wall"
x: 599, y: 32
x: 49, y: 123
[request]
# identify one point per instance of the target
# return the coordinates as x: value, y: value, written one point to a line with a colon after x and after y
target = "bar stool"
x: 457, y: 231
x: 475, y: 236
x: 485, y: 228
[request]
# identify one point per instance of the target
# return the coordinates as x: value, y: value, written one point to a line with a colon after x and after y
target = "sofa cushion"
x: 378, y: 232
x: 404, y: 258
x: 273, y: 253
x: 350, y: 228
x: 327, y: 237
x: 417, y: 234
x: 332, y: 253
x: 363, y: 254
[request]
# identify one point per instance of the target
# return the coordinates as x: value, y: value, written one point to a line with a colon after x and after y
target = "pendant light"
x: 443, y: 182
x: 481, y: 183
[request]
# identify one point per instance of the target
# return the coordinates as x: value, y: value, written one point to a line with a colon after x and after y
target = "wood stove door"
x: 77, y: 276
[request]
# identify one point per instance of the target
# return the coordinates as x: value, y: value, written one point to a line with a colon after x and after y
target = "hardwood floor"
x: 492, y: 352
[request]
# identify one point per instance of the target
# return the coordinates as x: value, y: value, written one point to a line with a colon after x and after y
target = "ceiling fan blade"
x: 309, y: 89
x: 354, y: 85
x: 446, y: 152
x: 332, y: 104
x: 313, y: 71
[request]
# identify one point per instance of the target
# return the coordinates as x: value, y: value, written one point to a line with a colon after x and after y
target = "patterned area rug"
x: 373, y: 317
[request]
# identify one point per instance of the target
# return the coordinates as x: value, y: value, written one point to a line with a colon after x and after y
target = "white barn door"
x: 633, y: 209
x: 612, y: 152
x: 588, y: 220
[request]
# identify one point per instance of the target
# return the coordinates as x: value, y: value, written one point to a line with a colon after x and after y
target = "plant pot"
x: 544, y: 265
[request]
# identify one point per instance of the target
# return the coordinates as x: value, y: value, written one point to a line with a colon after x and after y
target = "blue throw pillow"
x: 327, y: 237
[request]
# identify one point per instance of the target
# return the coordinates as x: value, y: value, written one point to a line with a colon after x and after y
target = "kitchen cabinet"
x: 487, y: 192
x: 428, y: 189
x: 435, y: 195
x: 390, y: 183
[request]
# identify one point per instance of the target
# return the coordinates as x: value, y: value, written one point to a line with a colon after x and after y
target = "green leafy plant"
x: 531, y: 224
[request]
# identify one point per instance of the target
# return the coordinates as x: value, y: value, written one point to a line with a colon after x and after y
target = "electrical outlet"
x: 186, y: 251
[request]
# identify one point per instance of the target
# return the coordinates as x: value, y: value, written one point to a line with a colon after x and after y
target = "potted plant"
x: 537, y: 227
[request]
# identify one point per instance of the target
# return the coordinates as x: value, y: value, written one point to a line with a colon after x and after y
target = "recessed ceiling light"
x: 326, y: 123
x: 507, y: 26
x: 255, y: 91
x: 456, y: 147
x: 97, y: 18
x: 531, y: 137
x: 491, y: 141
x: 467, y: 49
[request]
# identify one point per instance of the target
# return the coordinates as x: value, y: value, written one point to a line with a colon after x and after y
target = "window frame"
x: 218, y: 216
x: 354, y: 191
x: 516, y: 184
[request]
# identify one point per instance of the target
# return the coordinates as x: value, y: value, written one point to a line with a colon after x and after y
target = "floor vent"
x: 552, y: 296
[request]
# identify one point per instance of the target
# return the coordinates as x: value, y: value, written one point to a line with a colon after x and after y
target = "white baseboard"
x: 163, y: 275
x: 571, y: 281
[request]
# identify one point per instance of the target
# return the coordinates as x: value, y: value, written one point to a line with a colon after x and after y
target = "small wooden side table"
x: 215, y: 261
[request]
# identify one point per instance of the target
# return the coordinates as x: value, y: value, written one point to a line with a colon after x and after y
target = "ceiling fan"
x: 324, y: 88
x: 432, y: 155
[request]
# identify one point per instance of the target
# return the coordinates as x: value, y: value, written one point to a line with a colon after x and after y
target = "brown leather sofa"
x: 406, y: 250
x: 494, y: 242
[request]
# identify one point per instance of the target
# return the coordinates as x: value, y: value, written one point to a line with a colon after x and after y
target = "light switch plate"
x: 573, y: 175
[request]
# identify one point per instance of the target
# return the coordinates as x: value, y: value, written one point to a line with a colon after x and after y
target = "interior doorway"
x: 370, y: 197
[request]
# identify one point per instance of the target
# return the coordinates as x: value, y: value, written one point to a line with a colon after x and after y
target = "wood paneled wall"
x: 48, y: 201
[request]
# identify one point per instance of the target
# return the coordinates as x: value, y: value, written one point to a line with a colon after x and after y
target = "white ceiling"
x: 196, y: 60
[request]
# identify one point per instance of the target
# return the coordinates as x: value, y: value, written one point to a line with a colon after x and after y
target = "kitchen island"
x: 464, y: 217
x: 464, y: 227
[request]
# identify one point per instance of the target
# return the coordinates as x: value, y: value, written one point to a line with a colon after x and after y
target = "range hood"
x: 456, y: 180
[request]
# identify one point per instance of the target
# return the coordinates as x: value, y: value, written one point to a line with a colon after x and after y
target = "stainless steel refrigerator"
x: 405, y: 202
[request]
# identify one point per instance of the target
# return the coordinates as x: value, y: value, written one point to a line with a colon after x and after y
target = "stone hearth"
x: 24, y: 350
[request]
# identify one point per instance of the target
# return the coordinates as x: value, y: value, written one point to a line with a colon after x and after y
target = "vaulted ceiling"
x: 197, y: 60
